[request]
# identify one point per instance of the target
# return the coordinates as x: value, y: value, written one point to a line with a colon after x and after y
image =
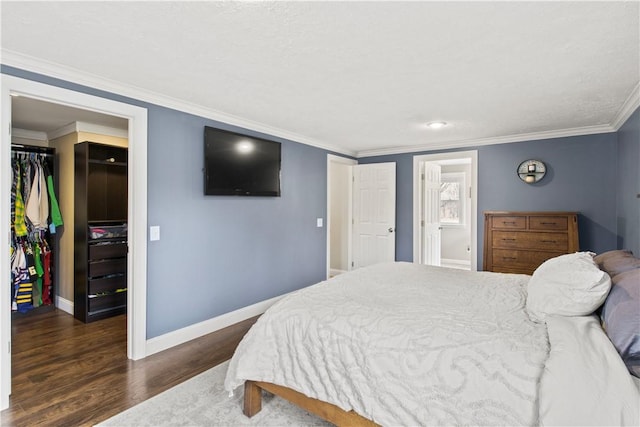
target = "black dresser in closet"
x: 100, y: 288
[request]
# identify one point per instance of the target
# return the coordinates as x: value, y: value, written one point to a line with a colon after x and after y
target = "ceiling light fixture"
x: 436, y: 125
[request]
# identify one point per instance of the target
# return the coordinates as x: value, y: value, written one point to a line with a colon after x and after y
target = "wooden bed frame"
x: 325, y: 410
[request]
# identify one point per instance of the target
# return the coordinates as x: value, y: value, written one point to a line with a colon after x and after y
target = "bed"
x: 408, y: 344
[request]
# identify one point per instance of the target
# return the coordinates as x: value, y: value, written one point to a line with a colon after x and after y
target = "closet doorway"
x: 136, y: 131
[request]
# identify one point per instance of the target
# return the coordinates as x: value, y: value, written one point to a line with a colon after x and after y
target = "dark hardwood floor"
x: 67, y: 373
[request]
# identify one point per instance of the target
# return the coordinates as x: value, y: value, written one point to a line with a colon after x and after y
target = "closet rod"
x: 19, y: 148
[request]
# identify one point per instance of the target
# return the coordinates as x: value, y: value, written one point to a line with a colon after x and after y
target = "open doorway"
x: 339, y: 212
x: 445, y: 210
x: 137, y: 211
x: 43, y: 127
x: 361, y: 203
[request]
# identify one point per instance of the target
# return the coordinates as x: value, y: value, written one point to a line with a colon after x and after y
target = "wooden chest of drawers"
x: 518, y: 242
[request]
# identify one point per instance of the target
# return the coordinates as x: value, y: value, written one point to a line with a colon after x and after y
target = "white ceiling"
x: 359, y: 77
x: 41, y: 116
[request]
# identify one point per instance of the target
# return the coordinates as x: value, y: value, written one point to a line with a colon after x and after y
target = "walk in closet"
x: 35, y: 219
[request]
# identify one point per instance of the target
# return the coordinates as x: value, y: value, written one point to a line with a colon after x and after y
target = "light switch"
x: 154, y: 232
x: 319, y: 222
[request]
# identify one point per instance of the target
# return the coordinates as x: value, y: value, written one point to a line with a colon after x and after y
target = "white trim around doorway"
x: 344, y: 161
x: 137, y: 222
x: 417, y: 200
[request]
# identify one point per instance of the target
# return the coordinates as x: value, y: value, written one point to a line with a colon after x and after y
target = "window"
x: 452, y: 199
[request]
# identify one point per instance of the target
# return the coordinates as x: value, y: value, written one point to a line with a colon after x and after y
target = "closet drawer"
x: 107, y: 231
x: 548, y: 223
x: 107, y: 284
x: 529, y: 240
x: 107, y: 302
x: 108, y: 250
x: 107, y: 153
x: 520, y: 260
x: 106, y: 267
x: 509, y: 222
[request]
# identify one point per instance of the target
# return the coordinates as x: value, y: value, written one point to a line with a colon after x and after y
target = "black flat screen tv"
x: 240, y: 165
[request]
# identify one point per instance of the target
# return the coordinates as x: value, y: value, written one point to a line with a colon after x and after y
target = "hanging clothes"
x: 22, y: 284
x: 56, y: 216
x: 19, y: 225
x: 46, y: 276
x: 37, y: 209
x: 34, y: 215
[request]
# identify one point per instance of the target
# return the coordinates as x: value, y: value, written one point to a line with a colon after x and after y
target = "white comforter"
x: 585, y: 382
x: 405, y: 344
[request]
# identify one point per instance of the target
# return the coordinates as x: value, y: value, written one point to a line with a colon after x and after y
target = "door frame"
x: 417, y: 201
x: 331, y: 158
x: 137, y: 209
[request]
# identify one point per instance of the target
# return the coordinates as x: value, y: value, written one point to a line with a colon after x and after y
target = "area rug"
x: 202, y: 401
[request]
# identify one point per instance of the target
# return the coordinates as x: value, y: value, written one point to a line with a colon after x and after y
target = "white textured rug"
x: 202, y: 401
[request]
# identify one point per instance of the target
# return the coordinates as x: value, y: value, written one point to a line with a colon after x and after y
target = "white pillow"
x: 568, y: 285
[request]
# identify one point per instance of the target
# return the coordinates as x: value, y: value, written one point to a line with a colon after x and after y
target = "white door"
x: 431, y: 210
x: 374, y: 213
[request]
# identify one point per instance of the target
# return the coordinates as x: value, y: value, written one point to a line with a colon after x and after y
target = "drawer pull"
x: 548, y: 241
x: 548, y: 223
x: 508, y: 240
x: 508, y: 258
x: 509, y: 222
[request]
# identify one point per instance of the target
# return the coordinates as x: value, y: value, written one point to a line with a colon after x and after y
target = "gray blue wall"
x: 581, y: 177
x: 221, y: 253
x: 628, y: 187
x: 218, y: 254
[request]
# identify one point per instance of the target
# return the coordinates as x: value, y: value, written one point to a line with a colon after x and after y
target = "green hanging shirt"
x: 56, y: 216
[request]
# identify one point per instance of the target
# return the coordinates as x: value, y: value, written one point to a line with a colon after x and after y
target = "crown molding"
x: 51, y: 69
x: 29, y: 134
x: 72, y: 75
x: 470, y: 143
x: 88, y: 127
x: 62, y: 131
x: 102, y: 130
x: 630, y: 105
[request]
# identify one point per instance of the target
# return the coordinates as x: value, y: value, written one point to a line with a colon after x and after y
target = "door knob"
x: 391, y: 230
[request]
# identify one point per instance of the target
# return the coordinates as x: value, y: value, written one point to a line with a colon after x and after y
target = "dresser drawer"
x: 107, y: 284
x: 519, y: 259
x: 107, y: 250
x: 107, y: 302
x: 530, y: 240
x: 106, y: 267
x: 512, y: 269
x: 548, y: 223
x: 509, y: 222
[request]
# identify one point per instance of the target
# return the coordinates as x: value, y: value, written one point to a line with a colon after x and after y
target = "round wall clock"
x: 531, y: 171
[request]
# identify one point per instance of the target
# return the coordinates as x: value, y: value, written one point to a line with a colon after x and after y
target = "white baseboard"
x: 455, y: 263
x: 64, y: 304
x: 172, y: 339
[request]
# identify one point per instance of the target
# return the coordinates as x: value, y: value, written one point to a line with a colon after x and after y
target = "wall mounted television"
x: 240, y: 165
